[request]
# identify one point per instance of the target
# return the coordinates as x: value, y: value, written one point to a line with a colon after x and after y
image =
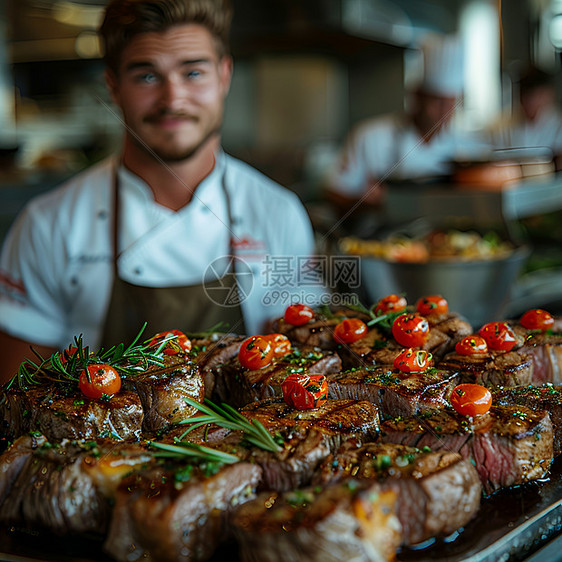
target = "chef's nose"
x: 173, y: 92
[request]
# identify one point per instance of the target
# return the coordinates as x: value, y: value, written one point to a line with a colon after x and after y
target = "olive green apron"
x: 186, y: 308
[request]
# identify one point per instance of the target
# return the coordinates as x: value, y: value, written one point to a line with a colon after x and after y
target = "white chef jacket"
x: 390, y: 148
x: 545, y: 131
x: 56, y: 264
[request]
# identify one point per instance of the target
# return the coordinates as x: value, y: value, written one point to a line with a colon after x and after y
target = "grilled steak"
x: 393, y: 392
x: 212, y: 352
x: 308, y: 435
x: 162, y: 392
x: 545, y: 350
x: 63, y: 487
x: 492, y: 369
x: 316, y: 333
x: 348, y: 521
x: 60, y: 413
x: 438, y: 492
x: 509, y: 445
x: 238, y: 386
x: 543, y: 397
x: 176, y: 515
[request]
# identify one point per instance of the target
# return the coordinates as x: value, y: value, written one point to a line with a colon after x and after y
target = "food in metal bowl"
x: 439, y: 244
x: 474, y: 272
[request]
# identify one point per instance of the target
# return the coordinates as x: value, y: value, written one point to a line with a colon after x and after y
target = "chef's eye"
x: 193, y: 74
x: 146, y: 78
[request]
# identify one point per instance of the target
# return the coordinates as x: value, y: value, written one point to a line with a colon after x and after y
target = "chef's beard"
x: 178, y: 153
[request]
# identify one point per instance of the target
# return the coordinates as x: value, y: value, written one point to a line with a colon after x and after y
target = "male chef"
x: 171, y: 231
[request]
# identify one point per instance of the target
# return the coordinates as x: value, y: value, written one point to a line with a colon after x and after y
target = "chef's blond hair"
x: 126, y: 18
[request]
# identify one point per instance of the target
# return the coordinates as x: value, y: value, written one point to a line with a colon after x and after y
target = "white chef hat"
x: 443, y: 65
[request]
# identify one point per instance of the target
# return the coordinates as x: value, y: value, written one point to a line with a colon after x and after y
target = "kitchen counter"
x: 512, y: 201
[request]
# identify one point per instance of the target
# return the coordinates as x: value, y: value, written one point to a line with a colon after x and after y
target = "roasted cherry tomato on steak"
x: 350, y: 330
x: 471, y: 345
x: 97, y: 380
x: 410, y: 330
x: 471, y: 399
x: 432, y: 304
x: 390, y: 303
x: 537, y: 319
x: 280, y: 343
x: 255, y: 352
x: 177, y: 342
x: 304, y: 391
x: 413, y: 360
x: 498, y: 336
x: 298, y: 314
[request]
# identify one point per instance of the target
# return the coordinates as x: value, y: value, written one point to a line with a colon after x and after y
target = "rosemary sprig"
x: 65, y: 368
x: 384, y: 321
x: 226, y: 416
x: 197, y: 452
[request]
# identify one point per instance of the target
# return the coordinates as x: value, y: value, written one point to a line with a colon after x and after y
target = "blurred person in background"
x: 149, y: 234
x: 418, y: 144
x: 537, y: 120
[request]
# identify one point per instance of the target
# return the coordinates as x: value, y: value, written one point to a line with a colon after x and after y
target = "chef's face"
x: 171, y: 88
x: 436, y: 110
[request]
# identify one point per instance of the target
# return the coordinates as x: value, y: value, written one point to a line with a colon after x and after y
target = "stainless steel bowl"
x: 479, y: 290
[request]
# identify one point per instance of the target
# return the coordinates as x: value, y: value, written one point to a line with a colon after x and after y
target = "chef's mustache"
x: 167, y: 113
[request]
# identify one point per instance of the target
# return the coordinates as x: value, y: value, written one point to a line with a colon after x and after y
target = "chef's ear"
x: 111, y: 82
x: 226, y: 67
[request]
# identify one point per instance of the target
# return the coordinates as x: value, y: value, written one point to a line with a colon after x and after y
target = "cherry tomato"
x: 255, y: 352
x: 298, y: 314
x: 471, y: 345
x: 350, y: 330
x: 304, y: 391
x: 432, y: 304
x: 280, y: 343
x: 97, y: 380
x: 410, y: 330
x: 537, y: 319
x: 498, y: 336
x: 177, y: 342
x: 67, y: 353
x: 390, y: 303
x: 471, y: 399
x: 413, y: 360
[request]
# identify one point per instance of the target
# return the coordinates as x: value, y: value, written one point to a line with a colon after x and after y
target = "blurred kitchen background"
x: 305, y: 72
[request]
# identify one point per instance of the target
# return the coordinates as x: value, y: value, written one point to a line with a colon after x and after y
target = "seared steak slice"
x: 308, y: 436
x: 348, y: 521
x: 166, y: 514
x: 316, y: 333
x: 213, y: 352
x: 162, y: 392
x: 438, y: 492
x: 63, y: 487
x: 395, y: 393
x: 509, y: 445
x: 545, y: 350
x: 492, y: 369
x: 63, y: 413
x: 237, y: 386
x: 543, y: 397
x: 450, y: 325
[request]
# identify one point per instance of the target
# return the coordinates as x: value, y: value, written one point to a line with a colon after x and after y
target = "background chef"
x: 418, y: 143
x: 150, y: 233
